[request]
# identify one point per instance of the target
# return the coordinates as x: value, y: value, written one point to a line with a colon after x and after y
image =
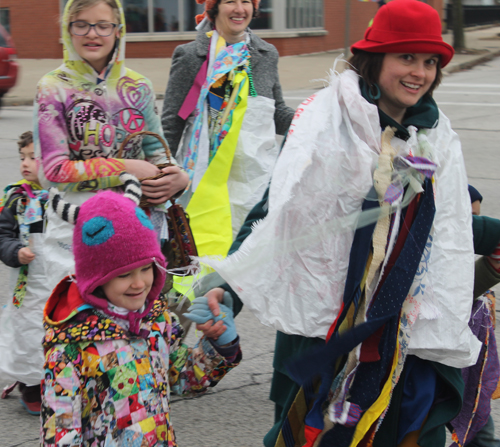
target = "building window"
x: 264, y: 20
x: 171, y: 16
x: 136, y: 16
x: 161, y: 16
x: 304, y: 14
x: 5, y: 18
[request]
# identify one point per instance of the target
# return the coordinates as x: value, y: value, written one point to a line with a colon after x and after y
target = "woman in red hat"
x: 222, y: 110
x: 366, y: 224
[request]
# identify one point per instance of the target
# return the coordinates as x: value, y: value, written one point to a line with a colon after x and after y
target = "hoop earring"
x: 375, y: 95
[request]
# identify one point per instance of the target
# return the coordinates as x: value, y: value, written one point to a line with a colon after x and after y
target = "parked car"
x: 8, y: 66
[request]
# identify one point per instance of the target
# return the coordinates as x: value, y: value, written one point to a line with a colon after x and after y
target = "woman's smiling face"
x: 95, y: 49
x: 404, y: 79
x: 233, y: 18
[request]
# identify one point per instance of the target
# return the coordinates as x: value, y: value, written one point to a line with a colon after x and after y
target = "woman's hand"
x: 160, y: 190
x: 211, y: 330
x: 25, y: 255
x: 140, y: 168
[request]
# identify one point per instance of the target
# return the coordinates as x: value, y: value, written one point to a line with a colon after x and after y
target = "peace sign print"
x: 132, y: 120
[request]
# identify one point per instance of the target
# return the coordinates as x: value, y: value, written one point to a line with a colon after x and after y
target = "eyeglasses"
x: 82, y: 28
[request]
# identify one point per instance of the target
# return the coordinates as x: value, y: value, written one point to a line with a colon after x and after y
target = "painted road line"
x: 471, y: 85
x: 467, y: 93
x: 470, y: 104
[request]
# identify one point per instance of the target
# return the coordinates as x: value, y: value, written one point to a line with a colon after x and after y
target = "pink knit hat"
x: 112, y: 236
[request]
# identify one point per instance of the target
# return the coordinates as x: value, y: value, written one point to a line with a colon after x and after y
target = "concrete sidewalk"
x: 296, y: 72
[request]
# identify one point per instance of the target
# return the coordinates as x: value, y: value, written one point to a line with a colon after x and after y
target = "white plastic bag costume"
x: 253, y: 161
x: 291, y: 270
x: 21, y: 328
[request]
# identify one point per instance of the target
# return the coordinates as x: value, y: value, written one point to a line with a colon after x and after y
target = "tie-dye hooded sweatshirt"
x: 82, y: 117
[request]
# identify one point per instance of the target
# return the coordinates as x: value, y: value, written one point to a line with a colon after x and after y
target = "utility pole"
x: 458, y: 26
x: 347, y: 24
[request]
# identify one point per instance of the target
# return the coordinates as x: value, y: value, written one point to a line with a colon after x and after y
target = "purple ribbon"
x: 421, y: 164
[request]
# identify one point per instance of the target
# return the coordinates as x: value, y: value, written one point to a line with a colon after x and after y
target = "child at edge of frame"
x: 21, y: 222
x: 113, y: 351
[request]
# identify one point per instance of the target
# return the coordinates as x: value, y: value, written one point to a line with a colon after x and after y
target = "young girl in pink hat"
x: 367, y: 225
x: 113, y: 351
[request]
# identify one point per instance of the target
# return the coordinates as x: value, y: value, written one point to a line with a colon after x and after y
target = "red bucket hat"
x: 209, y: 4
x: 403, y: 26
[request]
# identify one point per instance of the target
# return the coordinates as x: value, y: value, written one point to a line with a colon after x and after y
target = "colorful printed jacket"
x: 82, y: 117
x: 105, y: 387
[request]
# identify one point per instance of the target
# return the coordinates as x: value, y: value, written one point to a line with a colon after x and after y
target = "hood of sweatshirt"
x: 77, y: 65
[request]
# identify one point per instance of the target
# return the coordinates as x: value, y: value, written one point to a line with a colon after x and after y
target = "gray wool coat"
x: 187, y: 61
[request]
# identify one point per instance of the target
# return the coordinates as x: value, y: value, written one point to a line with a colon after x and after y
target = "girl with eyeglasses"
x: 84, y: 110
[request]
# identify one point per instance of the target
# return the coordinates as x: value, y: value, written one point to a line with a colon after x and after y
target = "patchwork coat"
x: 105, y: 387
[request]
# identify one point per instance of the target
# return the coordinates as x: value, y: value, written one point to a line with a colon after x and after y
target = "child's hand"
x: 160, y: 190
x: 200, y: 313
x: 25, y: 255
x: 213, y: 329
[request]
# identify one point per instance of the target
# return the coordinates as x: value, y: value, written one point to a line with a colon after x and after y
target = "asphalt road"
x: 237, y: 413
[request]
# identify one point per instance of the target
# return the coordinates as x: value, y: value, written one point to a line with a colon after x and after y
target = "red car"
x: 8, y: 65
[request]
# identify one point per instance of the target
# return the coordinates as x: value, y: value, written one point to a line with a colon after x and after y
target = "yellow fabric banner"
x: 209, y: 209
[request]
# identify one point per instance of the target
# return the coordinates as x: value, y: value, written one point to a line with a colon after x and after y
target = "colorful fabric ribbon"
x: 228, y: 59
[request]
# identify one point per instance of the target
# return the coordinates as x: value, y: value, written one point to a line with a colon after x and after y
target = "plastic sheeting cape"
x: 21, y: 328
x: 291, y: 270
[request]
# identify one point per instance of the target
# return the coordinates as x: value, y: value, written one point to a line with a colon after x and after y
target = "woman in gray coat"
x: 223, y: 107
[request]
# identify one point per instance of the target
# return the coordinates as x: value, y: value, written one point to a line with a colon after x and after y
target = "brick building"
x: 156, y: 27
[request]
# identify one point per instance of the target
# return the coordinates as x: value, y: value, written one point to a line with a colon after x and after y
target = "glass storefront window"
x: 191, y: 10
x: 5, y: 18
x: 170, y: 16
x: 264, y: 20
x: 166, y: 15
x: 136, y: 15
x: 304, y: 13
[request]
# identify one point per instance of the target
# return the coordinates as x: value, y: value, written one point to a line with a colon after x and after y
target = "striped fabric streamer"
x: 294, y: 428
x: 132, y: 187
x: 66, y: 211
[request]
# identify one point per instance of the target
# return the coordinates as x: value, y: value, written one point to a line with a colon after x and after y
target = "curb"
x: 472, y: 63
x: 13, y: 102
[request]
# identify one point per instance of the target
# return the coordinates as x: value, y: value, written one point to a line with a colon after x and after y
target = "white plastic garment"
x: 254, y: 159
x: 448, y: 339
x: 291, y: 270
x: 290, y: 280
x: 21, y: 329
x: 253, y: 162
